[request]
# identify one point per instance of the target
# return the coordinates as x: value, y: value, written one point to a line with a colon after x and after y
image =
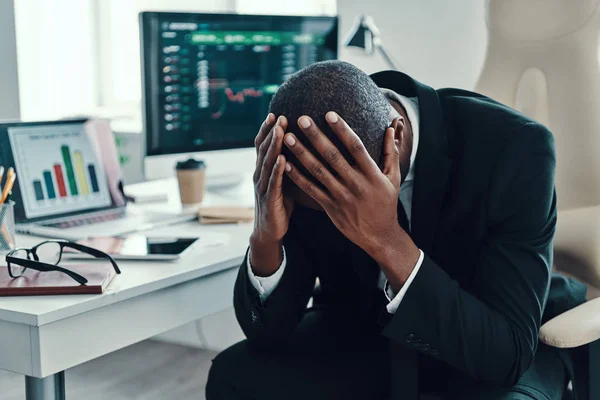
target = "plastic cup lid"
x: 190, y: 163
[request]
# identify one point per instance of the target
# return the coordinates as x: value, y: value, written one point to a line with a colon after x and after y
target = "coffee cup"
x: 191, y: 175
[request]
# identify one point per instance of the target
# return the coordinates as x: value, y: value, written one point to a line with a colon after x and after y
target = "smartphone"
x: 138, y: 247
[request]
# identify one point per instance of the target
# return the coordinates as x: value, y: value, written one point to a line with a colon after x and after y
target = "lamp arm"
x: 386, y: 56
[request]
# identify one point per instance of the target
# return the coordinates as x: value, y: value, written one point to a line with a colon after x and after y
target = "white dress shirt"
x: 266, y: 285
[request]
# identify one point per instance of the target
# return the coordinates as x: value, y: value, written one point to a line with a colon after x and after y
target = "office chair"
x: 542, y: 59
x: 577, y: 255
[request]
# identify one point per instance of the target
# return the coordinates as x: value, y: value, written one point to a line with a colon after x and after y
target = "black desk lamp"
x: 365, y: 35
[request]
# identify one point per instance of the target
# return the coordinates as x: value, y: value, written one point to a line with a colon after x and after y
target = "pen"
x: 10, y: 181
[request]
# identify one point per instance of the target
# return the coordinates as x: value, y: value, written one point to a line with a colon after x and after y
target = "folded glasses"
x: 46, y: 256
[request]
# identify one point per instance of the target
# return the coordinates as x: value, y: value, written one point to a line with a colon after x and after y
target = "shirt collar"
x: 411, y: 105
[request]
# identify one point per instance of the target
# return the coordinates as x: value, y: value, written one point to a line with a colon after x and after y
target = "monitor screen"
x: 208, y: 78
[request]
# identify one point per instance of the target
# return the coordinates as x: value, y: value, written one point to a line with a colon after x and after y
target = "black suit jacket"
x: 484, y: 214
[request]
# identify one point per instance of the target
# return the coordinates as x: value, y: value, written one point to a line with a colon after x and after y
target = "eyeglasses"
x: 46, y: 256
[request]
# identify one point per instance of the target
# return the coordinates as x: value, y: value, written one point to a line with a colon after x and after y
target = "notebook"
x: 36, y: 283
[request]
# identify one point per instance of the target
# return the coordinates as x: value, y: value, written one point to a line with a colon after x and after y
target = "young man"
x: 426, y: 216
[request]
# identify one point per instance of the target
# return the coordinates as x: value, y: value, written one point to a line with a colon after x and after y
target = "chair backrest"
x: 542, y: 60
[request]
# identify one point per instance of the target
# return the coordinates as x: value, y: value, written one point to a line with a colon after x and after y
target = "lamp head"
x: 364, y: 34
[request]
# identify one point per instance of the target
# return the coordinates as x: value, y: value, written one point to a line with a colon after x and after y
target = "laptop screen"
x: 63, y: 168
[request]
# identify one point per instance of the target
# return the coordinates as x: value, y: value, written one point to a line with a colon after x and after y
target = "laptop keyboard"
x: 84, y: 220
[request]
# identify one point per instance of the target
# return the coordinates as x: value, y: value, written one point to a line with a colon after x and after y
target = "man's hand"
x: 272, y: 208
x: 360, y: 200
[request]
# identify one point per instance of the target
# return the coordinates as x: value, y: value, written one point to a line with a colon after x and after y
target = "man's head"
x: 341, y: 87
x: 335, y: 86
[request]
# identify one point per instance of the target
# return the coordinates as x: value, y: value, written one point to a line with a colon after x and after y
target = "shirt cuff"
x: 265, y: 285
x: 396, y: 299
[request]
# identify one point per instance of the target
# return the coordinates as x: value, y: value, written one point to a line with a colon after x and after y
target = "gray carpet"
x: 148, y: 370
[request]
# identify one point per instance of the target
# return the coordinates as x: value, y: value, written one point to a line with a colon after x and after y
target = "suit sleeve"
x: 279, y: 314
x: 491, y: 331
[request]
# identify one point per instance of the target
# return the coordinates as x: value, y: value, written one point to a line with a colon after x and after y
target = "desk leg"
x: 49, y: 388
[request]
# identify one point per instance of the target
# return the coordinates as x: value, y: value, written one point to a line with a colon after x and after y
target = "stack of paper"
x: 225, y: 215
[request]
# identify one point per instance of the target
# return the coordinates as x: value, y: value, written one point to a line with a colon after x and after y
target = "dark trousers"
x: 330, y: 357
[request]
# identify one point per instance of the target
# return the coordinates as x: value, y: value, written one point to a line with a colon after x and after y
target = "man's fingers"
x: 307, y: 186
x: 262, y: 151
x: 261, y: 141
x: 274, y: 190
x: 352, y: 142
x: 325, y: 147
x: 264, y: 130
x: 282, y: 122
x: 266, y: 143
x: 270, y: 157
x: 391, y: 145
x: 391, y: 158
x: 313, y: 165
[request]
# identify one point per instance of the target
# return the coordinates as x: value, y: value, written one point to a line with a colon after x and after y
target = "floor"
x: 148, y: 370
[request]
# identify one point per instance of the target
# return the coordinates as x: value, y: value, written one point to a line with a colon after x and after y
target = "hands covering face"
x: 360, y: 200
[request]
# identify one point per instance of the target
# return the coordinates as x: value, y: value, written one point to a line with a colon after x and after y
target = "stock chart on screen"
x: 209, y: 78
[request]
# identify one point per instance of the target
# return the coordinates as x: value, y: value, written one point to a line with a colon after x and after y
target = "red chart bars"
x: 60, y: 180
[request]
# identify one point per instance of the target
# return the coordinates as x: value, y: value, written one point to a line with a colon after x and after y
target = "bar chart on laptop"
x: 58, y: 169
x: 71, y: 177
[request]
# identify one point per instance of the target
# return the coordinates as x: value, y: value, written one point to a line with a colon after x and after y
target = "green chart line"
x: 66, y: 153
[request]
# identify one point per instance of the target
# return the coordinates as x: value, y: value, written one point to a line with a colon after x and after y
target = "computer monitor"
x: 208, y: 78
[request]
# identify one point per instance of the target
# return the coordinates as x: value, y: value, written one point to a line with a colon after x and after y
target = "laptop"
x: 69, y: 181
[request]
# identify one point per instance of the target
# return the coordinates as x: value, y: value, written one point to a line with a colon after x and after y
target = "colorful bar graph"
x: 60, y: 180
x: 49, y: 184
x: 93, y: 178
x: 80, y: 173
x: 39, y: 192
x: 66, y: 153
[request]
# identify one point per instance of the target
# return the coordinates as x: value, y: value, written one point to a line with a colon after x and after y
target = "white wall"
x: 440, y: 43
x: 9, y: 92
x: 289, y: 7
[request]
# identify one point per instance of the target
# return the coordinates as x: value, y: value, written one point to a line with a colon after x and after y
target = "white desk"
x: 43, y: 336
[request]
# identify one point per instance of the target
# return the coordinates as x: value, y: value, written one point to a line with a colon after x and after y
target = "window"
x: 55, y: 58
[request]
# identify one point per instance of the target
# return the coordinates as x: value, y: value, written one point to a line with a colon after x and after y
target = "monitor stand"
x: 238, y: 188
x: 224, y: 181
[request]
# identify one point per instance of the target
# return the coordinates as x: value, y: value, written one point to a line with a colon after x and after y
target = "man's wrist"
x: 265, y: 256
x: 396, y: 255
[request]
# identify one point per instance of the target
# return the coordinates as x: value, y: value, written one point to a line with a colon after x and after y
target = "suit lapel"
x: 432, y: 164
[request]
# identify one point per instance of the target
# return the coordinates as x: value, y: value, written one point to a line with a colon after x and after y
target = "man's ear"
x: 398, y: 124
